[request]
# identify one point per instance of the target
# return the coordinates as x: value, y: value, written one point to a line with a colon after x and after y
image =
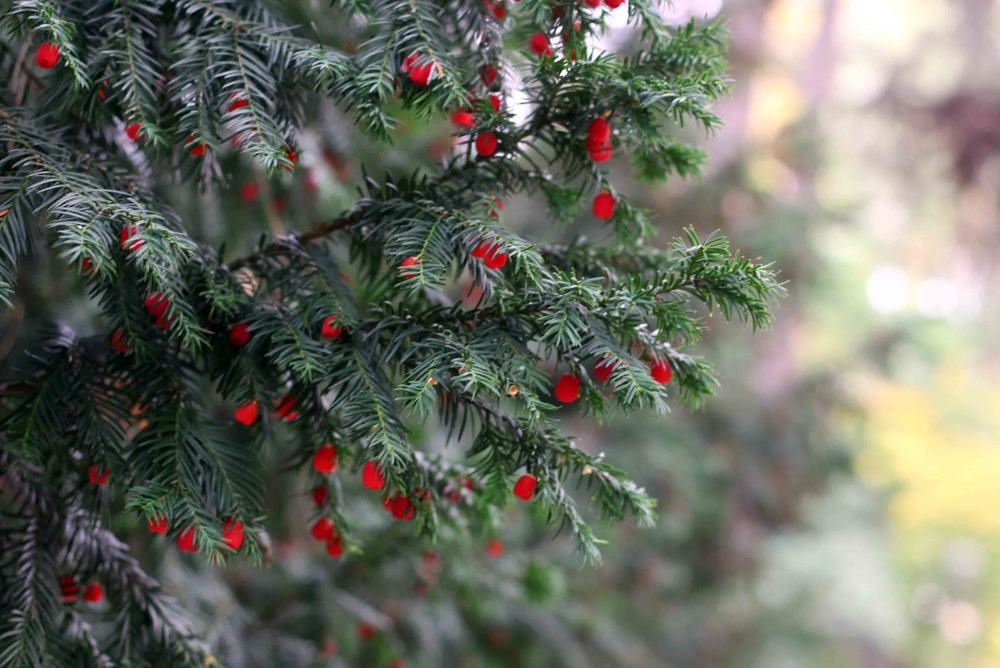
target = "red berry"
x: 421, y: 74
x: 567, y: 388
x: 92, y: 593
x: 488, y: 74
x: 371, y: 476
x: 248, y: 191
x: 463, y: 118
x: 486, y: 144
x: 319, y: 495
x: 68, y: 589
x: 593, y: 3
x: 239, y: 334
x: 539, y: 44
x: 156, y: 304
x: 87, y: 266
x: 496, y: 258
x: 366, y: 631
x: 185, y: 540
x: 495, y: 103
x: 198, y: 150
x: 325, y: 459
x: 333, y: 546
x: 246, y: 413
x: 409, y: 262
x: 600, y: 152
x: 286, y: 407
x: 613, y: 3
x: 128, y: 238
x: 133, y: 132
x: 660, y: 371
x: 97, y: 475
x: 118, y: 341
x: 329, y: 330
x: 157, y: 524
x: 603, y: 369
x: 598, y: 131
x: 499, y: 11
x: 47, y: 55
x: 494, y: 548
x: 401, y: 508
x: 239, y: 103
x: 292, y: 156
x: 481, y: 249
x: 524, y: 488
x: 604, y: 205
x: 322, y: 528
x: 232, y: 533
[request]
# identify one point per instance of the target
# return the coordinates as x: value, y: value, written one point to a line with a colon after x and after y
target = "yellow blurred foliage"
x: 948, y: 467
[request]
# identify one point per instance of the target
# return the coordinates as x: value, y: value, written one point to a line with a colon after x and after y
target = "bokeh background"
x: 837, y: 504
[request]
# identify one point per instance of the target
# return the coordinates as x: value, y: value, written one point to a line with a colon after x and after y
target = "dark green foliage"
x: 242, y: 82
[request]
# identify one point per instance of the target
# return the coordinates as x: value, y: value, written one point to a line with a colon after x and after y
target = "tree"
x: 208, y: 364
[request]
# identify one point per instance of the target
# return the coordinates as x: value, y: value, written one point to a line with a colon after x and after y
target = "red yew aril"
x: 601, y: 152
x: 248, y: 191
x: 486, y: 144
x: 239, y: 334
x: 133, y: 132
x: 524, y: 488
x: 603, y: 369
x: 118, y: 341
x: 598, y: 131
x: 495, y: 258
x: 92, y: 593
x: 246, y: 413
x: 322, y: 528
x: 409, y: 262
x: 371, y: 476
x: 185, y: 540
x: 232, y: 533
x: 325, y: 459
x: 494, y: 548
x: 567, y: 388
x: 613, y: 3
x: 604, y: 205
x: 68, y: 589
x: 319, y: 495
x: 47, y: 55
x: 333, y: 546
x: 463, y: 118
x: 128, y: 238
x: 97, y: 475
x: 401, y: 508
x: 539, y: 44
x: 660, y: 371
x: 329, y: 329
x: 157, y: 524
x: 286, y: 407
x: 156, y: 304
x: 488, y: 74
x: 198, y: 149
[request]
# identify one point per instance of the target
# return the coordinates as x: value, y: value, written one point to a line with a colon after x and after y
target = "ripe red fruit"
x: 286, y: 407
x: 68, y: 589
x: 539, y: 44
x: 87, y: 266
x: 329, y: 330
x: 613, y: 3
x: 185, y: 540
x: 239, y: 103
x: 118, y: 341
x: 488, y: 74
x: 401, y: 508
x: 333, y: 546
x: 409, y: 262
x: 319, y: 495
x: 421, y: 74
x: 198, y: 150
x: 248, y: 191
x: 133, y: 132
x: 604, y: 205
x: 486, y: 144
x: 92, y: 593
x: 366, y: 631
x: 660, y: 371
x: 601, y: 152
x: 292, y: 156
x: 463, y: 118
x: 481, y: 249
x: 156, y: 304
x: 322, y: 528
x: 567, y: 388
x: 495, y: 258
x: 239, y: 334
x: 494, y: 548
x: 47, y: 55
x: 593, y: 3
x: 603, y: 369
x: 129, y: 238
x: 499, y: 10
x: 598, y: 131
x: 246, y: 413
x: 97, y: 475
x: 232, y: 533
x: 524, y: 488
x: 495, y: 102
x: 371, y: 476
x: 157, y: 524
x: 325, y: 459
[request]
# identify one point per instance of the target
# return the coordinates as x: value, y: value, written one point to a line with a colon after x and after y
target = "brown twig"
x: 306, y: 237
